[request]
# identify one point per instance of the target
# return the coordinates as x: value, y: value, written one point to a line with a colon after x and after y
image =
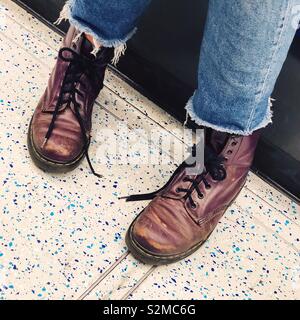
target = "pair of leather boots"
x: 183, y: 213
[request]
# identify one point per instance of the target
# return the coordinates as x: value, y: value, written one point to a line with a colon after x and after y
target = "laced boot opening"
x: 216, y: 139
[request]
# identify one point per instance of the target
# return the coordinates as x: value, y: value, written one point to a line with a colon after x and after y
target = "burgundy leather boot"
x: 59, y: 132
x: 184, y: 213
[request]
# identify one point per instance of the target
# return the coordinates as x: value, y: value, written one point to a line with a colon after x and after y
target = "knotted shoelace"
x: 214, y: 166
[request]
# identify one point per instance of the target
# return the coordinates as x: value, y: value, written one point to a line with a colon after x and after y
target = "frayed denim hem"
x: 118, y: 44
x: 191, y: 112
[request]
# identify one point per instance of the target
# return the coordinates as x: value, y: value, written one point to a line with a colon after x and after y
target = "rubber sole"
x: 149, y: 258
x: 46, y: 164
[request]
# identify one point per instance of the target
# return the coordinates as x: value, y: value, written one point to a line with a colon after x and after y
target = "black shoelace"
x: 214, y: 165
x: 78, y: 65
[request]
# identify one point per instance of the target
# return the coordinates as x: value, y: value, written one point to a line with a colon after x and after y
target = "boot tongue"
x: 83, y: 46
x: 86, y: 47
x: 218, y: 140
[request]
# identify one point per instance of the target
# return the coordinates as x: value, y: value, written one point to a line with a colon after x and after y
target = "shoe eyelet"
x: 229, y: 152
x: 200, y: 197
x: 193, y: 206
x: 234, y: 143
x: 208, y: 187
x: 177, y: 190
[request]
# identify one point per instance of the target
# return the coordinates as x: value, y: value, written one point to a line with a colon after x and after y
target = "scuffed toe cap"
x: 150, y: 240
x: 65, y: 143
x: 59, y: 150
x: 163, y: 229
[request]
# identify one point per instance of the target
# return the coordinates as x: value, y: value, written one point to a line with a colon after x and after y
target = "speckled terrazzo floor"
x: 58, y: 233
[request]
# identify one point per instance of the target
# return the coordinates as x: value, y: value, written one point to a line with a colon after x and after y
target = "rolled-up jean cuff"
x: 209, y: 124
x: 109, y: 43
x: 119, y: 44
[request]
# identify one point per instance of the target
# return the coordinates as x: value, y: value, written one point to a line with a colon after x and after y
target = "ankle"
x: 91, y: 39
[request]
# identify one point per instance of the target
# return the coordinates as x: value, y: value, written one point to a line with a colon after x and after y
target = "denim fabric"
x: 111, y: 22
x: 244, y: 47
x: 243, y: 50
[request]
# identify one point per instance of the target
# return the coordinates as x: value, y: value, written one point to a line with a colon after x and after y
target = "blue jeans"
x: 244, y: 47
